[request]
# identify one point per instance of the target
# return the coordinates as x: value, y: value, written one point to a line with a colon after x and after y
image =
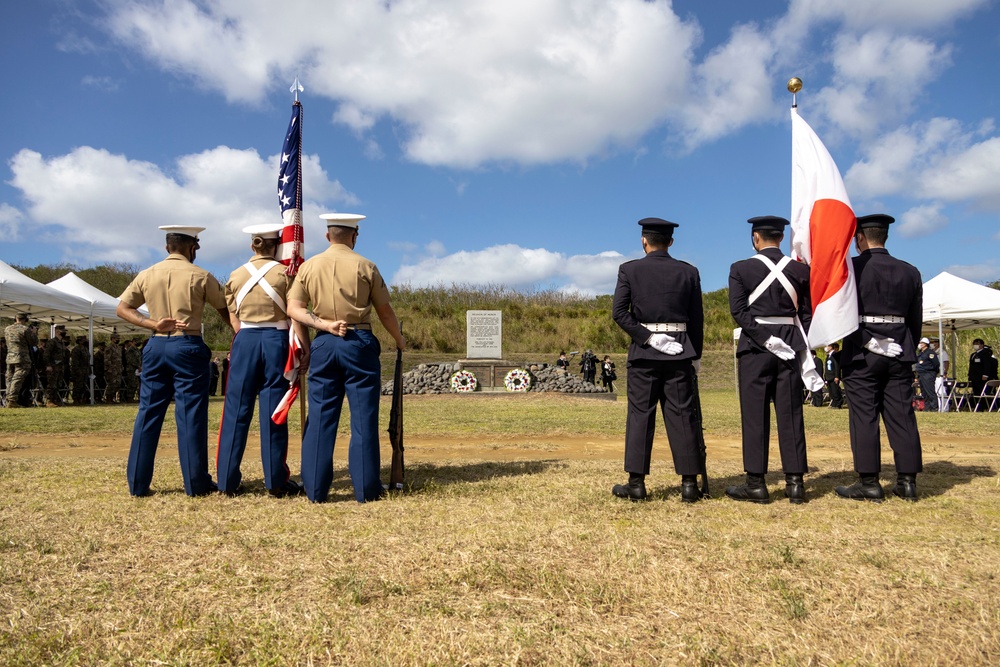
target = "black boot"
x: 755, y: 490
x: 634, y: 490
x: 795, y: 488
x: 690, y: 493
x: 866, y: 488
x: 906, y: 486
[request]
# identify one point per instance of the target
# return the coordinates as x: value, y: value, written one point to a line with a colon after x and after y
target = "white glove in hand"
x: 779, y: 348
x: 697, y: 366
x: 887, y: 347
x: 665, y: 344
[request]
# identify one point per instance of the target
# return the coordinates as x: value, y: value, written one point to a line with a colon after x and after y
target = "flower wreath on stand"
x: 463, y: 382
x: 517, y: 380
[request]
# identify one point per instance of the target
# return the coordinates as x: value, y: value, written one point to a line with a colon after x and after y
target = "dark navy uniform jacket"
x: 744, y: 277
x: 928, y: 362
x: 658, y: 289
x: 886, y: 286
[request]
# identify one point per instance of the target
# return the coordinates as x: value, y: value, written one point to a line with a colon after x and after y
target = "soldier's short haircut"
x: 875, y: 235
x: 22, y: 317
x: 179, y: 242
x: 657, y: 240
x: 339, y: 234
x: 770, y: 235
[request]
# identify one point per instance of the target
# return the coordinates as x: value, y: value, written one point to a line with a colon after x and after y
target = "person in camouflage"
x: 20, y: 339
x: 79, y: 366
x: 113, y: 369
x: 55, y: 356
x: 133, y: 365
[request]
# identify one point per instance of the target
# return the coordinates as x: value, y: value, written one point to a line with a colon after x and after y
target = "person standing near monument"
x: 256, y: 293
x: 342, y: 288
x: 769, y: 299
x: 55, y: 355
x: 666, y: 325
x: 876, y: 364
x: 20, y: 339
x: 174, y: 360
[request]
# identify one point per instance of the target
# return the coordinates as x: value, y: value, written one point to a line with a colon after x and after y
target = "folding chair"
x: 960, y: 395
x: 945, y: 389
x: 987, y: 395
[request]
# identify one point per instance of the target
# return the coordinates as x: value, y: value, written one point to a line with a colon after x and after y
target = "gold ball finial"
x: 794, y: 85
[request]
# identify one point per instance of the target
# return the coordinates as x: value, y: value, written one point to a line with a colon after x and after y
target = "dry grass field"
x: 507, y: 548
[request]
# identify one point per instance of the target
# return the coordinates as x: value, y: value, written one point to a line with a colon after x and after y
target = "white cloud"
x: 104, y: 207
x: 912, y: 14
x: 979, y: 273
x: 934, y: 160
x: 103, y: 83
x: 10, y: 223
x: 517, y: 268
x: 921, y: 221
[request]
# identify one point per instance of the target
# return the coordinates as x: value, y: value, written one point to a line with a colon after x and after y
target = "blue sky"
x: 513, y: 142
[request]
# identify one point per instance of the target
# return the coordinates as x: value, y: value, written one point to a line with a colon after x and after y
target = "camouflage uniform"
x: 113, y: 370
x: 79, y: 365
x: 55, y: 354
x: 20, y: 340
x: 133, y: 363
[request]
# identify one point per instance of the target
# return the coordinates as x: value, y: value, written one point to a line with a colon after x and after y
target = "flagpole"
x: 296, y: 89
x: 794, y: 86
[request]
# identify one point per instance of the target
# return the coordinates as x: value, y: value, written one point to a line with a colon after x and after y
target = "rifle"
x: 703, y: 450
x: 396, y: 424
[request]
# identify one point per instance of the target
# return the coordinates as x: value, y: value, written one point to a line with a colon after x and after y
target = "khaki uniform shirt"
x: 175, y: 288
x: 340, y: 284
x: 258, y: 306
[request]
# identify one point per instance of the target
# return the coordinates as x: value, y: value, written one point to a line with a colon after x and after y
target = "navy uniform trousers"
x: 764, y: 378
x: 669, y: 386
x: 257, y: 368
x: 878, y: 385
x: 173, y: 367
x: 343, y: 367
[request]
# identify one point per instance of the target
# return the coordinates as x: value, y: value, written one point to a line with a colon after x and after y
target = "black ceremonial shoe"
x: 690, y: 493
x: 906, y: 487
x: 289, y: 488
x: 866, y: 488
x: 633, y: 490
x: 208, y: 490
x: 755, y: 490
x: 795, y: 489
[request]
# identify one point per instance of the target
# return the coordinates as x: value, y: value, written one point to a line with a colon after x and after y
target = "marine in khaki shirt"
x: 175, y: 361
x: 343, y: 288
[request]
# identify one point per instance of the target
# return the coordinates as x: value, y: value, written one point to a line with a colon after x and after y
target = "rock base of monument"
x: 490, y: 374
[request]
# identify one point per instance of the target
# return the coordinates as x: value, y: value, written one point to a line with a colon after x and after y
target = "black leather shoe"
x: 208, y: 490
x: 754, y: 491
x: 633, y: 491
x: 690, y: 493
x: 289, y: 488
x: 795, y: 489
x: 906, y: 487
x: 866, y: 488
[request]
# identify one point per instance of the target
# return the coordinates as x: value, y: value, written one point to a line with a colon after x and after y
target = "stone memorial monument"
x: 484, y: 349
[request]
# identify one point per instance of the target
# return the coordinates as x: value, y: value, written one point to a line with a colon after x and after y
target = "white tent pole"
x: 90, y: 343
x: 941, y: 338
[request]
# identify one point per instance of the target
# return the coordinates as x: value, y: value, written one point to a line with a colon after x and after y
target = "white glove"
x: 887, y: 347
x: 813, y: 380
x: 665, y: 344
x: 697, y: 366
x: 779, y: 348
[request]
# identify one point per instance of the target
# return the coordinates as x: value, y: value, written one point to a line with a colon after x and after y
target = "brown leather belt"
x: 171, y: 334
x: 364, y: 326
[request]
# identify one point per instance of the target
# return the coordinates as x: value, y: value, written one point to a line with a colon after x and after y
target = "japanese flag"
x: 822, y: 229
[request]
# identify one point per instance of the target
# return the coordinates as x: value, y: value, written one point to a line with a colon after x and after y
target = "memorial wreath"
x: 463, y: 381
x: 517, y: 380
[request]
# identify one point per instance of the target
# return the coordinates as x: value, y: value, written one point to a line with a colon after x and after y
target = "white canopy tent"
x: 953, y: 304
x: 102, y: 305
x: 21, y: 294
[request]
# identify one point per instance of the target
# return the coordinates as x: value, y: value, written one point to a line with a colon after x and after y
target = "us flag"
x: 290, y: 194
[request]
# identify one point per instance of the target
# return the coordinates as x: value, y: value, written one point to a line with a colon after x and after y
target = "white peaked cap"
x: 269, y: 230
x: 182, y: 229
x: 349, y: 220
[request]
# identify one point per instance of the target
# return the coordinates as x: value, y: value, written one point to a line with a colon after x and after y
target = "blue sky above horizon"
x: 512, y: 143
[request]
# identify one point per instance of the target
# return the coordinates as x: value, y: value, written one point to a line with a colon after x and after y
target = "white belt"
x: 667, y: 327
x: 264, y: 325
x: 775, y: 320
x: 883, y: 319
